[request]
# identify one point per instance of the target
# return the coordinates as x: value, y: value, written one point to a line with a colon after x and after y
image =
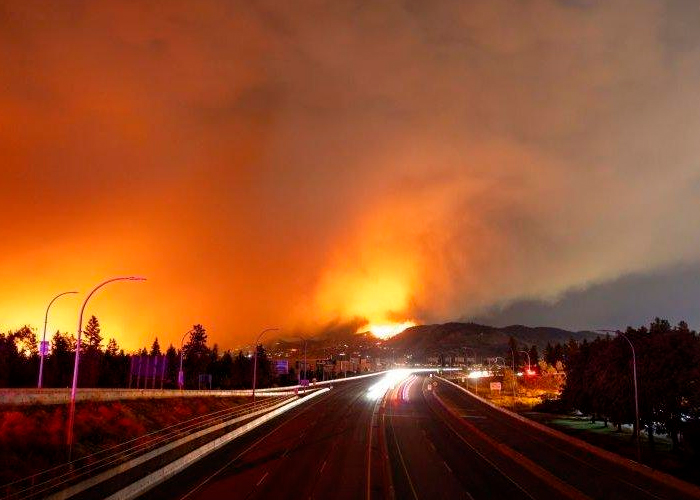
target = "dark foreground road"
x: 320, y: 450
x: 439, y: 443
x: 444, y: 443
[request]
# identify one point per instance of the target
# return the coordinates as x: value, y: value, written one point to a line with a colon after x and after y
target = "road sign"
x: 44, y: 347
x: 282, y: 366
x: 495, y: 386
x: 304, y: 382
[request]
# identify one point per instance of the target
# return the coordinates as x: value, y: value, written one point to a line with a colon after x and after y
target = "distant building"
x: 342, y: 366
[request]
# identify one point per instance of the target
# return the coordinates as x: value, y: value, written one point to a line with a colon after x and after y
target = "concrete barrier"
x: 134, y: 462
x: 25, y: 396
x: 142, y: 485
x: 22, y: 397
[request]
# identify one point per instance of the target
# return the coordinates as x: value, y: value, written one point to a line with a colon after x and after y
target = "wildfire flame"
x: 388, y: 330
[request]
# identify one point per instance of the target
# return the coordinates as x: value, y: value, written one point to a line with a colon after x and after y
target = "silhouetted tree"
x: 92, y: 339
x: 534, y: 356
x: 196, y: 355
x: 513, y: 352
x: 172, y: 360
x: 91, y: 353
x: 155, y: 348
x: 59, y: 365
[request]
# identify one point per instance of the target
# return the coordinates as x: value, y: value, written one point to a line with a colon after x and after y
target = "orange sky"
x: 324, y: 165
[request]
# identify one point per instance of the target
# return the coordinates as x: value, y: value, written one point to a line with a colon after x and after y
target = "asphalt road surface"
x: 420, y: 442
x: 321, y: 450
x: 444, y: 443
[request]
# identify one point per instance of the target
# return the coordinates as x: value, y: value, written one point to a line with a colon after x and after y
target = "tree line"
x: 599, y: 379
x: 107, y: 365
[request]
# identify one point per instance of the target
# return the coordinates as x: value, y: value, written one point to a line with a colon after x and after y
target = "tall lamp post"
x: 475, y: 360
x: 512, y: 358
x: 305, y: 366
x: 181, y: 374
x: 636, y: 395
x: 255, y: 357
x: 42, y: 349
x: 528, y: 361
x: 71, y: 411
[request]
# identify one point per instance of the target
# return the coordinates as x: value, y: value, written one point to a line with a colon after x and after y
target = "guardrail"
x: 20, y: 397
x: 144, y: 484
x: 655, y: 474
x: 28, y: 396
x: 97, y: 467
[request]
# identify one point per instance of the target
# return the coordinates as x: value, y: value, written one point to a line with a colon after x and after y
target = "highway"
x: 444, y: 443
x: 319, y: 450
x: 419, y: 442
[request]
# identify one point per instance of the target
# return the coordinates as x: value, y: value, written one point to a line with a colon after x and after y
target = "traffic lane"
x: 482, y: 470
x: 236, y: 470
x: 345, y: 469
x: 271, y: 466
x: 419, y: 471
x: 530, y: 479
x: 588, y: 473
x: 330, y: 460
x: 485, y: 471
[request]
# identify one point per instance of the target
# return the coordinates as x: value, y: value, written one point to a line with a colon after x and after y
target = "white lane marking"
x: 403, y: 462
x: 507, y: 422
x: 262, y: 479
x: 463, y: 439
x: 252, y: 446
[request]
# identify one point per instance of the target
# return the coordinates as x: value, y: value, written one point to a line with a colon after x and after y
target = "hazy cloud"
x: 298, y: 164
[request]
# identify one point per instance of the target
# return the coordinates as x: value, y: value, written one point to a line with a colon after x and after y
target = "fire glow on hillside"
x: 388, y: 330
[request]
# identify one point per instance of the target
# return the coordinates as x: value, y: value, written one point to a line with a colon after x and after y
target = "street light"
x: 43, y: 338
x: 636, y: 396
x: 255, y: 357
x: 71, y: 411
x: 512, y: 357
x: 305, y: 368
x: 475, y: 362
x: 181, y: 374
x: 528, y: 361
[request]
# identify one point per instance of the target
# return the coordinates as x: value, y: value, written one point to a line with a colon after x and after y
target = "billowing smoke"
x: 303, y: 163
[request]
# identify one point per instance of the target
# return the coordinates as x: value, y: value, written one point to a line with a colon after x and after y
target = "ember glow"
x: 388, y: 330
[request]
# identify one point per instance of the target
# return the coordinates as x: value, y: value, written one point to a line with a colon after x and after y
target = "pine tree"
x: 112, y: 348
x: 93, y: 339
x: 196, y: 354
x: 197, y: 344
x: 155, y: 348
x: 534, y: 356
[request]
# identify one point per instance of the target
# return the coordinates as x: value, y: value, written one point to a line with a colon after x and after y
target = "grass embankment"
x: 32, y: 438
x: 659, y: 455
x: 527, y: 394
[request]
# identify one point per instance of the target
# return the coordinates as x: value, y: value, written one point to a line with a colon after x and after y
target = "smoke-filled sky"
x: 323, y: 164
